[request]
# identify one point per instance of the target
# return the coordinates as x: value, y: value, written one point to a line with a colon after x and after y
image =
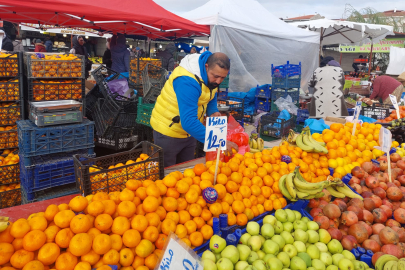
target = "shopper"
x: 48, y: 44
x: 39, y: 46
x: 328, y: 82
x: 189, y: 94
x: 17, y: 45
x: 7, y: 44
x: 119, y: 54
x: 385, y: 85
x: 107, y: 55
x: 79, y: 49
x: 167, y: 56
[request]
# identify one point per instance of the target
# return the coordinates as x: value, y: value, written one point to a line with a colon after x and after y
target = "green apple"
x: 298, y: 264
x: 224, y: 264
x: 307, y: 244
x: 281, y: 215
x: 345, y: 264
x: 348, y: 255
x: 299, y: 224
x: 290, y: 215
x: 217, y: 244
x: 249, y: 267
x: 326, y: 258
x: 290, y: 250
x: 313, y: 252
x: 241, y: 265
x: 300, y: 235
x: 268, y: 256
x: 332, y: 267
x: 297, y: 215
x: 267, y: 231
x: 209, y: 255
x: 209, y: 265
x: 305, y: 219
x: 274, y: 264
x: 244, y: 238
x: 259, y: 265
x: 336, y: 258
x: 318, y: 264
x: 278, y: 228
x: 271, y: 247
x: 300, y: 246
x: 307, y: 259
x: 288, y: 227
x: 324, y: 236
x: 262, y: 239
x: 254, y: 243
x: 270, y: 219
x: 358, y: 265
x: 312, y: 225
x: 313, y: 236
x: 261, y: 254
x: 334, y: 246
x: 253, y: 228
x: 244, y: 252
x: 231, y: 253
x: 284, y: 258
x: 311, y: 268
x: 279, y: 240
x: 217, y: 256
x: 252, y: 257
x: 321, y: 246
x: 287, y: 237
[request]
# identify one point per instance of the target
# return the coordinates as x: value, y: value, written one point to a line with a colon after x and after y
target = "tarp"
x: 253, y: 39
x: 134, y: 17
x: 397, y: 61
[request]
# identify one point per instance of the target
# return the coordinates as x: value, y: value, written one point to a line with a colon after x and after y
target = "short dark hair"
x: 220, y: 59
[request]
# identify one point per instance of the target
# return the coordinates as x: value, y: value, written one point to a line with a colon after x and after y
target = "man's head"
x: 217, y: 66
x: 80, y: 39
x: 193, y: 50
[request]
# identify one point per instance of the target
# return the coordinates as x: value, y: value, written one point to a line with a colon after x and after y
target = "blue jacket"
x: 48, y: 45
x: 119, y: 54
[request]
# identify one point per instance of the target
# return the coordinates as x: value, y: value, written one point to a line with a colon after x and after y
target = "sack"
x: 119, y: 86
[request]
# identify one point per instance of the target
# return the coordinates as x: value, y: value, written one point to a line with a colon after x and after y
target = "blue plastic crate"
x: 283, y: 93
x: 222, y: 95
x: 284, y: 71
x: 47, y: 194
x: 302, y: 115
x: 225, y: 82
x: 350, y: 111
x: 35, y: 141
x: 263, y: 91
x: 286, y: 83
x: 262, y: 104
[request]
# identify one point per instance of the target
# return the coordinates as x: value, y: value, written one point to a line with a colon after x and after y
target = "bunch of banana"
x: 293, y: 186
x: 4, y: 223
x: 256, y: 144
x: 309, y: 144
x: 292, y: 136
x: 388, y: 262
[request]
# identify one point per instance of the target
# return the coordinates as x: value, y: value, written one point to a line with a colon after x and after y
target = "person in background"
x: 88, y: 46
x: 167, y: 56
x: 17, y: 45
x: 48, y: 44
x: 385, y: 85
x: 39, y: 46
x: 326, y: 60
x: 107, y: 55
x: 193, y: 50
x: 355, y: 66
x: 78, y: 48
x: 119, y: 54
x: 141, y: 53
x: 7, y: 44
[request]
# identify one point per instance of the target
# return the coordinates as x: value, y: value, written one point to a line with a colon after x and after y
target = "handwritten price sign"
x: 395, y: 104
x: 215, y: 134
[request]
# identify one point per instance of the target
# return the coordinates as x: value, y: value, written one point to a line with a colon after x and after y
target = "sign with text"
x: 215, y: 133
x: 395, y: 104
x: 381, y: 47
x: 356, y: 115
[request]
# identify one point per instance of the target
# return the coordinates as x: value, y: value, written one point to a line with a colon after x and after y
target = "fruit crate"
x: 10, y: 198
x: 137, y: 65
x: 222, y: 95
x: 263, y: 91
x: 9, y: 138
x: 44, y: 90
x: 10, y: 89
x: 52, y: 65
x: 153, y: 78
x: 283, y: 93
x: 9, y: 174
x: 35, y: 141
x: 93, y: 174
x: 377, y: 111
x: 236, y: 107
x: 302, y: 115
x: 47, y: 194
x: 91, y: 100
x: 10, y: 113
x: 119, y: 139
x: 144, y: 113
x: 270, y: 125
x: 11, y: 64
x: 262, y: 104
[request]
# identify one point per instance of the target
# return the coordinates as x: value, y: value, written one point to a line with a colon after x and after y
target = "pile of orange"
x: 8, y: 137
x: 9, y: 113
x: 56, y: 65
x: 10, y: 159
x: 57, y: 90
x: 9, y: 187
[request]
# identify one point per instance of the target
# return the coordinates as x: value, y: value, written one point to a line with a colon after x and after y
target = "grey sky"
x: 331, y: 9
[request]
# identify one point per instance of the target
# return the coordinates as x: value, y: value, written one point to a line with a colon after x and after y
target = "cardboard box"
x: 329, y: 120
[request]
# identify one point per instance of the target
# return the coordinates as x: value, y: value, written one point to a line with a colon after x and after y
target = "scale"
x: 56, y: 112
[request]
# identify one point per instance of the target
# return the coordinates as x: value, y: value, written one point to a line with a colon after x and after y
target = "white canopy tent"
x: 253, y: 38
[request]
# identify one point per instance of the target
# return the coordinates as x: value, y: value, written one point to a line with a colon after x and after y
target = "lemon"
x: 347, y: 169
x: 340, y: 170
x: 332, y: 163
x: 341, y: 162
x: 356, y: 164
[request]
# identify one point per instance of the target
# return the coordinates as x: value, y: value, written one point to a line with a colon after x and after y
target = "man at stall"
x: 385, y: 85
x: 188, y: 95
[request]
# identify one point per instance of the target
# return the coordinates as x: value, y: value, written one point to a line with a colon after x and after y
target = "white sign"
x: 179, y: 258
x: 215, y: 133
x: 386, y: 140
x: 356, y: 115
x: 395, y: 104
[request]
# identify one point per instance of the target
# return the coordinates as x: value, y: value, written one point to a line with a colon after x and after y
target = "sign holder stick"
x: 216, y: 164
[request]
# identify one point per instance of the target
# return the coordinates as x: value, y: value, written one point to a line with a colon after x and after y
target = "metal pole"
x: 340, y: 60
x: 320, y: 45
x: 369, y: 59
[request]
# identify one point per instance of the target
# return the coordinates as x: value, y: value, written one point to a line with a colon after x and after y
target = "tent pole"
x: 340, y: 60
x: 369, y: 60
x: 320, y: 45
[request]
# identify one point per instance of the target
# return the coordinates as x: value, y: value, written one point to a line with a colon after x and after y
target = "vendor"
x: 188, y: 95
x: 385, y: 85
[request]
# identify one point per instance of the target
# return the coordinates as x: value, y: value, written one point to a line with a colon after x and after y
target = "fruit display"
x: 10, y: 112
x: 389, y: 262
x: 96, y: 60
x: 9, y: 187
x: 393, y: 116
x: 308, y: 144
x: 9, y: 89
x: 256, y: 144
x: 10, y: 159
x: 8, y: 64
x: 56, y: 90
x: 284, y: 241
x: 55, y: 65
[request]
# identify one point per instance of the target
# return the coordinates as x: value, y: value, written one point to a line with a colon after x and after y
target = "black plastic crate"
x: 93, y: 174
x: 91, y: 100
x: 270, y: 125
x: 104, y: 114
x: 137, y: 65
x: 47, y: 194
x: 10, y: 198
x: 377, y: 111
x: 153, y: 78
x: 119, y: 138
x: 10, y: 113
x: 236, y: 106
x: 10, y: 89
x: 45, y: 89
x: 11, y: 64
x: 9, y: 138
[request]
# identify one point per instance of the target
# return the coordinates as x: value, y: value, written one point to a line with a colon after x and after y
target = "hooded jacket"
x: 39, y: 47
x: 48, y: 45
x: 119, y: 54
x: 18, y: 47
x: 167, y: 57
x: 78, y: 49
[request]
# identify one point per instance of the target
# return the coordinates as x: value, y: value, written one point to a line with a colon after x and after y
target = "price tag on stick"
x: 356, y: 115
x: 385, y: 139
x: 395, y: 104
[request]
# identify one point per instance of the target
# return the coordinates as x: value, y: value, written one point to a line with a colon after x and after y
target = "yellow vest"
x: 166, y: 107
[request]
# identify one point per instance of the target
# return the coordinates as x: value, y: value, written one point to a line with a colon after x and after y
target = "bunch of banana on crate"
x: 256, y: 144
x: 293, y: 186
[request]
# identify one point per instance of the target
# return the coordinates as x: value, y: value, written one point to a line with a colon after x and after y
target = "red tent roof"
x: 134, y: 17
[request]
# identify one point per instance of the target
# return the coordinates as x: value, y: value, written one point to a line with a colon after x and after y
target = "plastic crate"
x: 224, y: 83
x: 263, y: 91
x: 284, y: 93
x: 274, y: 108
x: 153, y: 79
x: 9, y: 174
x: 286, y: 83
x: 56, y: 66
x: 376, y: 111
x: 262, y: 104
x: 93, y: 175
x: 270, y: 125
x: 47, y: 194
x: 285, y: 71
x: 147, y: 134
x: 44, y: 90
x: 104, y: 114
x: 222, y: 95
x: 144, y: 113
x: 10, y: 89
x: 236, y: 107
x: 11, y: 64
x: 10, y: 113
x: 35, y: 141
x: 137, y: 65
x: 302, y: 115
x: 91, y: 100
x: 9, y: 139
x: 10, y: 198
x: 119, y: 139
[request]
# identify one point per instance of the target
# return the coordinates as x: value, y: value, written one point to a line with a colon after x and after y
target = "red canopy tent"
x: 132, y: 17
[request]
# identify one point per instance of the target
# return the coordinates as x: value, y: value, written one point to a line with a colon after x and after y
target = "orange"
x: 95, y: 208
x: 120, y: 225
x: 162, y: 188
x: 138, y: 262
x: 17, y: 243
x: 131, y: 238
x: 109, y: 207
x: 93, y: 232
x: 144, y: 249
x: 168, y: 226
x: 196, y: 188
x: 231, y: 186
x: 111, y: 257
x: 199, y: 169
x: 34, y: 265
x: 51, y: 233
x: 161, y: 212
x: 228, y: 199
x: 182, y: 186
x: 78, y: 203
x: 249, y: 213
x: 191, y: 226
x: 247, y: 203
x: 249, y: 173
x: 102, y: 244
x: 205, y: 183
x: 141, y: 193
x: 20, y: 258
x: 225, y: 207
x: 151, y: 233
x: 160, y: 242
x: 116, y: 241
x: 83, y: 266
x: 195, y: 210
x: 245, y: 191
x: 62, y: 219
x: 241, y: 219
x: 268, y: 180
x: 6, y: 251
x: 100, y: 196
x: 277, y: 204
x: 127, y: 195
x: 133, y: 184
x: 48, y: 253
x: 196, y: 239
x: 34, y: 240
x: 63, y: 237
x: 80, y: 244
x: 63, y: 206
x: 169, y: 181
x: 66, y: 261
x: 266, y: 191
x: 216, y: 209
x: 253, y: 200
x: 181, y: 231
x: 126, y: 257
x: 192, y: 195
x: 150, y: 204
x: 201, y: 201
x: 206, y: 214
x: 231, y: 219
x: 170, y: 204
x: 184, y: 216
x: 38, y: 223
x: 51, y: 211
x: 172, y: 192
x: 236, y: 177
x: 103, y: 222
x: 237, y: 196
x: 222, y: 178
x: 151, y: 261
x: 20, y: 228
x: 173, y: 216
x: 268, y: 205
x: 221, y: 190
x: 80, y: 224
x: 206, y: 232
x: 238, y: 207
x: 255, y: 190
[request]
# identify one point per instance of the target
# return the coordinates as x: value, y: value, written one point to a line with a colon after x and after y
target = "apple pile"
x: 284, y: 241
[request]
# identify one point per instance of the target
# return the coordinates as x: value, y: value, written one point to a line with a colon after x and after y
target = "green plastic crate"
x: 144, y: 113
x: 225, y: 83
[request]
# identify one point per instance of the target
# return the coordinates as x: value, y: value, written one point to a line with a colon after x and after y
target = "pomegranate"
x: 359, y: 231
x: 365, y: 189
x: 379, y: 215
x: 349, y: 218
x: 341, y: 204
x: 399, y: 215
x: 383, y: 165
x: 371, y: 245
x: 372, y: 182
x: 322, y: 204
x: 313, y: 203
x: 357, y: 188
x: 327, y: 197
x: 397, y: 183
x: 380, y: 192
x: 377, y: 200
x: 358, y: 211
x: 322, y: 221
x: 401, y: 179
x: 343, y: 228
x: 388, y: 236
x: 362, y: 184
x: 377, y: 227
x: 376, y: 168
x: 402, y: 205
x: 368, y: 227
x: 393, y: 250
x: 358, y: 172
x: 343, y: 232
x: 402, y: 247
x: 396, y: 205
x: 316, y: 212
x: 394, y: 157
x: 401, y: 164
x: 402, y: 189
x: 387, y: 203
x: 331, y: 211
x: 392, y: 223
x: 401, y: 233
x: 367, y: 167
x: 383, y: 185
x: 334, y: 223
x: 349, y: 242
x: 356, y: 202
x: 376, y: 256
x: 387, y: 210
x: 391, y: 184
x: 368, y: 217
x: 335, y: 233
x: 394, y: 194
x: 369, y: 204
x: 354, y: 180
x: 376, y: 238
x: 366, y: 194
x: 397, y: 172
x: 381, y: 177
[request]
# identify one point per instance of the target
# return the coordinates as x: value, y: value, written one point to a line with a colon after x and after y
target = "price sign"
x: 215, y: 133
x: 356, y: 115
x: 385, y: 140
x: 395, y: 104
x: 178, y: 257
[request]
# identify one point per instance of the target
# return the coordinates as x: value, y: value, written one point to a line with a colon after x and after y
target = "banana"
x: 4, y: 218
x: 317, y: 147
x: 348, y: 192
x: 395, y: 266
x: 389, y: 265
x: 319, y: 195
x: 379, y: 265
x: 310, y: 191
x: 401, y: 264
x: 290, y: 185
x: 334, y: 192
x: 261, y: 144
x: 4, y: 225
x: 282, y: 187
x: 307, y: 185
x: 311, y: 139
x: 254, y: 150
x: 304, y: 147
x: 254, y: 144
x: 301, y: 195
x: 316, y: 144
x: 309, y: 197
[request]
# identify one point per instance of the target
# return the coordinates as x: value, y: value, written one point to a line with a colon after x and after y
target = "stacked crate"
x: 223, y: 94
x: 136, y: 68
x: 263, y: 98
x: 11, y: 110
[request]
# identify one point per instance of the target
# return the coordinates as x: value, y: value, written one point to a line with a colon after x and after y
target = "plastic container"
x: 294, y: 82
x: 302, y: 115
x: 47, y: 194
x: 9, y: 115
x: 153, y: 79
x: 283, y: 93
x: 263, y: 91
x: 287, y: 70
x: 11, y: 64
x: 10, y: 198
x: 10, y: 88
x: 93, y: 175
x: 144, y: 113
x: 9, y: 138
x: 271, y: 125
x: 225, y: 82
x: 104, y: 114
x: 262, y: 104
x: 119, y: 139
x: 377, y: 111
x: 45, y: 90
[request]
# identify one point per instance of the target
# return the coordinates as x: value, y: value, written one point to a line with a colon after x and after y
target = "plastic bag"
x: 316, y: 126
x: 286, y: 104
x: 257, y: 118
x: 119, y: 86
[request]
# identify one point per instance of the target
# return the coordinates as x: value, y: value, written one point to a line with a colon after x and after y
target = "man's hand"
x: 229, y: 146
x: 216, y: 114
